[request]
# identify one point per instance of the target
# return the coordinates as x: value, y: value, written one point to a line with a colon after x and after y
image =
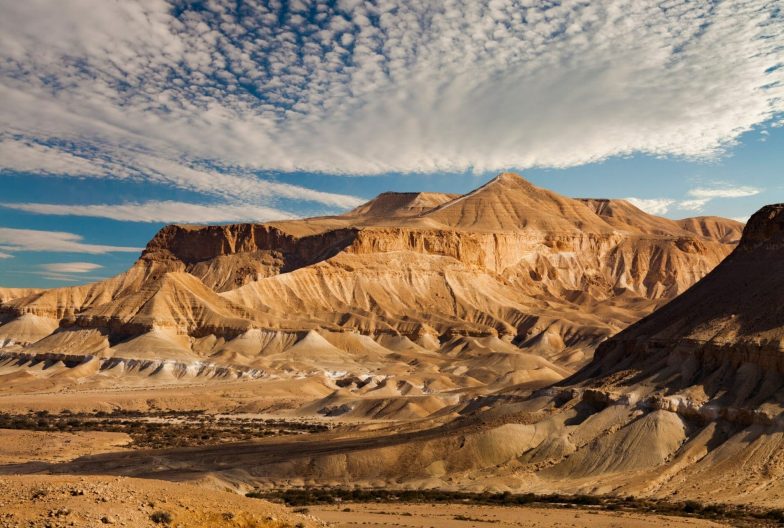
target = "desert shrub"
x: 39, y: 493
x: 161, y: 517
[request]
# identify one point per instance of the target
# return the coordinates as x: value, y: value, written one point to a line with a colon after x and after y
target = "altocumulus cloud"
x: 204, y: 96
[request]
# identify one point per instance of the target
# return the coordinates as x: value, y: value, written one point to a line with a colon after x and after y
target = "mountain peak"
x: 511, y: 178
x: 400, y: 204
x: 509, y: 202
x: 765, y: 226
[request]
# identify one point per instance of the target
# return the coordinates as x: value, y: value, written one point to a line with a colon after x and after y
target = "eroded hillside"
x: 408, y: 296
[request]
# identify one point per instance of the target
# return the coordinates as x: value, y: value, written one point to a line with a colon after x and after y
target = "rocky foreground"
x: 60, y: 502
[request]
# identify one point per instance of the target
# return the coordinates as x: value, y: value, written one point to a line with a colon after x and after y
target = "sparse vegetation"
x: 161, y: 517
x: 163, y: 429
x: 461, y: 517
x: 39, y: 493
x: 739, y: 515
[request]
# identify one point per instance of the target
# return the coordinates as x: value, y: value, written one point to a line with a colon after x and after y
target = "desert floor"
x: 90, y: 499
x: 92, y: 491
x: 82, y: 502
x: 463, y: 516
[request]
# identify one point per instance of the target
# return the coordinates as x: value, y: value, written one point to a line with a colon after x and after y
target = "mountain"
x: 725, y: 335
x: 684, y: 405
x: 509, y: 284
x: 714, y: 227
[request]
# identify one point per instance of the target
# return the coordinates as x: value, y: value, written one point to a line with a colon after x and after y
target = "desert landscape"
x: 483, y: 343
x: 391, y: 263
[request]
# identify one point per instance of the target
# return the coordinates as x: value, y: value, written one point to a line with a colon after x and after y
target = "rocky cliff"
x: 725, y: 334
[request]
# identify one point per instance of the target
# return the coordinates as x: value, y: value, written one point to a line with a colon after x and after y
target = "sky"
x: 118, y: 117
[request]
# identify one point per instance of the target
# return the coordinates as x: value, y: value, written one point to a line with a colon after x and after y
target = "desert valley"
x: 509, y: 342
x: 391, y: 263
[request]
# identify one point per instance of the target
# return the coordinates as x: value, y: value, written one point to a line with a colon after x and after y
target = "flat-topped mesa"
x: 228, y: 256
x: 765, y: 229
x: 495, y: 228
x: 191, y: 243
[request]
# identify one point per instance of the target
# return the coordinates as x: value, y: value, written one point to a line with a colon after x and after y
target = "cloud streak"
x: 70, y: 267
x: 724, y: 192
x: 204, y: 99
x: 14, y: 240
x: 159, y: 211
x: 699, y: 198
x: 654, y: 206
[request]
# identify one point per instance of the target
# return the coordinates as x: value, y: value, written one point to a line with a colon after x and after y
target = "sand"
x: 22, y: 446
x: 87, y: 502
x: 450, y: 515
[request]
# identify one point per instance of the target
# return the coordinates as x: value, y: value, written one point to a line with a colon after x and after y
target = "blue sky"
x: 117, y: 118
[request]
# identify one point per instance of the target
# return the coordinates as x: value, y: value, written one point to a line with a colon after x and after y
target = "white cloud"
x: 655, y: 206
x: 724, y: 192
x: 159, y: 211
x: 59, y: 277
x: 128, y: 89
x: 13, y: 240
x: 696, y: 204
x: 699, y: 198
x: 29, y: 157
x: 70, y: 267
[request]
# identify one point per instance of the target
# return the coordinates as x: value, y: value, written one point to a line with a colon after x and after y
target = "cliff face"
x: 547, y: 273
x: 225, y: 257
x: 724, y: 336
